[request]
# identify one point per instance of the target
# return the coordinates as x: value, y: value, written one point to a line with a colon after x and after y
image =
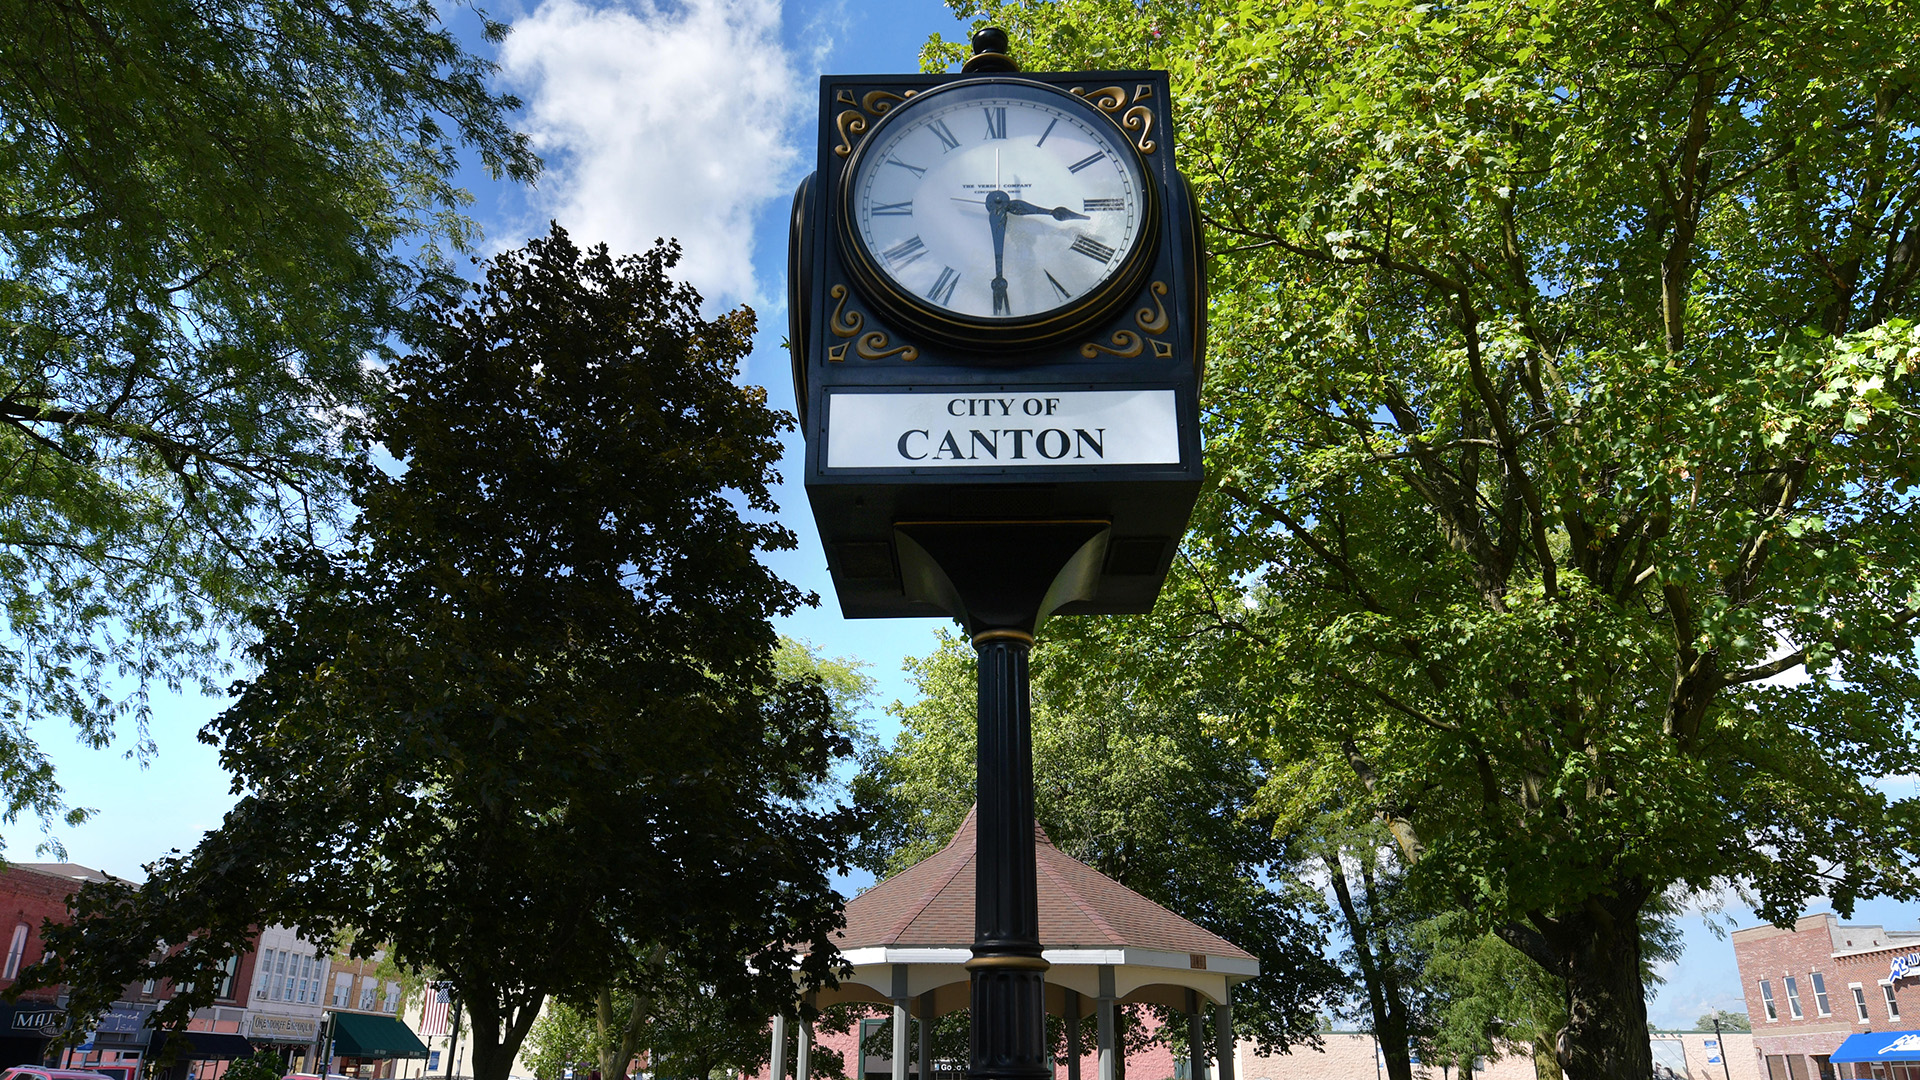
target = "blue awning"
x: 1879, y: 1046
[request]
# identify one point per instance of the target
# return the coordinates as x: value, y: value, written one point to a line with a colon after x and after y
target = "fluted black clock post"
x: 1009, y: 1021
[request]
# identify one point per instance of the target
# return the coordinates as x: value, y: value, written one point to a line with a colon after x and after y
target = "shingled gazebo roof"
x: 910, y: 934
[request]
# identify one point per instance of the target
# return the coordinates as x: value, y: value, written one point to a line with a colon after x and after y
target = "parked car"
x: 35, y: 1072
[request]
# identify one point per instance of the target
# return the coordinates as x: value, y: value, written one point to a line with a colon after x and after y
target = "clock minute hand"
x: 1058, y: 213
x: 997, y: 221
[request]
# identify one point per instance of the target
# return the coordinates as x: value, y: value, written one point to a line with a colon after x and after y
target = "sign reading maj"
x: 997, y: 316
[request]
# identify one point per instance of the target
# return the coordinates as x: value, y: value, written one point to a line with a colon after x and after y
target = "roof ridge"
x: 932, y: 893
x: 1078, y: 901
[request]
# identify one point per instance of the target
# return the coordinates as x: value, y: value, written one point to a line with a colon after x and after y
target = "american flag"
x: 433, y: 1017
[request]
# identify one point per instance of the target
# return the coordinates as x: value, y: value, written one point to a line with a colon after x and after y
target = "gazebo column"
x: 1073, y: 1035
x: 1196, y: 1039
x: 803, y: 1054
x: 900, y: 1031
x: 779, y: 1056
x: 926, y: 1036
x: 1108, y: 1024
x: 1223, y: 1043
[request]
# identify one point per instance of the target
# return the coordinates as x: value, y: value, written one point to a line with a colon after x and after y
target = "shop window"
x: 1766, y: 1000
x: 1859, y: 1001
x: 1793, y: 999
x: 1823, y: 1067
x: 1820, y: 1001
x: 15, y: 952
x: 1893, y: 1003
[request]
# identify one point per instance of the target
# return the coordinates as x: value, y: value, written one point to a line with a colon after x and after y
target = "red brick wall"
x: 1771, y: 954
x: 28, y: 897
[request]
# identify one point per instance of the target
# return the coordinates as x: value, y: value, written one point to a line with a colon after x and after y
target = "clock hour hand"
x: 1058, y: 213
x: 997, y: 221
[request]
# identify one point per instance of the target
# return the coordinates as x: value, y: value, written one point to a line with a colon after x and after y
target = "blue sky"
x: 692, y: 120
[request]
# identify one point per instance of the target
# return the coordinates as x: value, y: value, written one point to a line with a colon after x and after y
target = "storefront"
x: 292, y: 1038
x: 117, y: 1044
x: 181, y: 1055
x: 1882, y: 1055
x: 25, y: 1028
x: 365, y: 1045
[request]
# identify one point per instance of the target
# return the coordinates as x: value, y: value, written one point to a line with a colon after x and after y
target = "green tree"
x: 529, y: 724
x: 1131, y: 776
x: 212, y: 216
x: 1560, y: 420
x: 1728, y: 1021
x: 563, y: 1036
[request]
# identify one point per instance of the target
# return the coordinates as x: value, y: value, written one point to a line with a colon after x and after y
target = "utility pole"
x: 1720, y: 1043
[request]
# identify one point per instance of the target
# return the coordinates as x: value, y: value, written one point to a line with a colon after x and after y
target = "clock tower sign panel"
x: 997, y: 319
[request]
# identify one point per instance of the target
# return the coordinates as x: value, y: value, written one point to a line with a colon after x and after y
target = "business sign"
x: 1713, y: 1042
x: 433, y: 1061
x: 1908, y: 1043
x: 296, y: 1029
x: 39, y: 1021
x: 1714, y: 1060
x: 1905, y: 967
x: 1023, y: 429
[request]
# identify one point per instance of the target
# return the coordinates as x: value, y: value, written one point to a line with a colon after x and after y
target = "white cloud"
x: 661, y: 120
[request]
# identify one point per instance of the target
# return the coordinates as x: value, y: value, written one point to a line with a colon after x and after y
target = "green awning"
x: 358, y: 1035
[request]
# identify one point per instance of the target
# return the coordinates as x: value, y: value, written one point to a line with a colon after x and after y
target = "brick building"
x: 1811, y: 987
x: 29, y: 896
x: 369, y: 1039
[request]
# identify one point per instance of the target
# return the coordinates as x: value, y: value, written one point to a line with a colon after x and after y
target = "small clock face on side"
x: 998, y: 211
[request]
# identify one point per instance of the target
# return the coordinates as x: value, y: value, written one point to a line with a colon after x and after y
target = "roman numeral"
x: 940, y: 131
x: 904, y: 252
x: 914, y: 169
x: 893, y: 209
x: 996, y: 122
x: 1092, y: 205
x: 1044, y: 134
x: 1057, y: 287
x: 1091, y: 248
x: 1087, y: 161
x: 942, y: 291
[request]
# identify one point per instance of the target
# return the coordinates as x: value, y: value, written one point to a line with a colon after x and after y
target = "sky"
x: 693, y: 120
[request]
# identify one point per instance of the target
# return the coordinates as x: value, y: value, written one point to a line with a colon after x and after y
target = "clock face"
x: 998, y: 204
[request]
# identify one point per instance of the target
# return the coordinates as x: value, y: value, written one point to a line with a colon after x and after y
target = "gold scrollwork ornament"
x: 852, y: 123
x: 847, y: 324
x: 1154, y: 320
x: 1126, y: 345
x: 1129, y: 113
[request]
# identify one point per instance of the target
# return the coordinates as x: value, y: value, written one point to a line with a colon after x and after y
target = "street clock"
x: 997, y: 325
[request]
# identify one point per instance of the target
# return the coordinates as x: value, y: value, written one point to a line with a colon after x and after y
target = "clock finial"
x: 989, y: 52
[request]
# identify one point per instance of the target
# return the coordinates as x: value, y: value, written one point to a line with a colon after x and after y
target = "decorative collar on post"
x: 989, y: 53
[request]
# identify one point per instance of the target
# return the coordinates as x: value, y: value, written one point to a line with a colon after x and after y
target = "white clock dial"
x: 1002, y: 206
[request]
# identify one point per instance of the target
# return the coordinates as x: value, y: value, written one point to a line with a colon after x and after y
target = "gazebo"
x: 910, y: 936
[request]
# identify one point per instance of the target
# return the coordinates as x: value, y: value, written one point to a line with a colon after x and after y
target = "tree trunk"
x: 496, y: 1035
x: 1596, y: 949
x: 1385, y: 1000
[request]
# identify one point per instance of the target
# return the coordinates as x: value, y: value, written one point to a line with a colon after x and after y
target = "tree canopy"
x: 1560, y: 421
x: 213, y: 215
x: 528, y: 728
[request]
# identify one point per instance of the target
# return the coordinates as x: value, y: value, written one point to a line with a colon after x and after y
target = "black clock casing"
x: 1142, y: 333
